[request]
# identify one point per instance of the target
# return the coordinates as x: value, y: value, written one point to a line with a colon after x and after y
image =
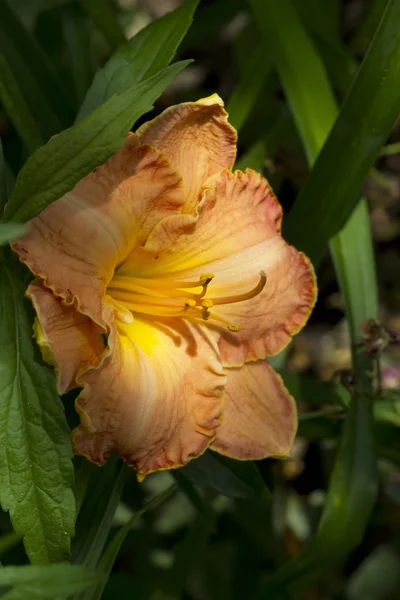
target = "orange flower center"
x: 168, y: 298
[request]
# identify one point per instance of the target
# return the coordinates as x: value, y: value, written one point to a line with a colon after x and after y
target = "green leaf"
x: 224, y: 475
x: 210, y: 18
x: 367, y: 28
x: 104, y: 489
x: 41, y: 89
x: 354, y: 263
x: 78, y: 48
x: 378, y: 576
x: 248, y: 88
x: 35, y: 451
x: 17, y: 110
x: 3, y: 184
x: 349, y: 501
x: 39, y: 582
x: 10, y: 231
x: 143, y: 56
x: 56, y: 167
x: 282, y: 42
x: 353, y: 485
x: 365, y: 120
x: 103, y: 16
x: 188, y: 552
x: 308, y: 389
x: 111, y: 552
x: 191, y: 493
x: 8, y: 541
x: 324, y: 27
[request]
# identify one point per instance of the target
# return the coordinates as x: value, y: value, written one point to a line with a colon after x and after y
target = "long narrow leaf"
x: 43, y: 92
x: 17, y: 109
x: 248, y: 89
x: 94, y: 522
x: 111, y: 552
x: 364, y: 123
x: 354, y: 479
x: 103, y: 16
x: 3, y: 185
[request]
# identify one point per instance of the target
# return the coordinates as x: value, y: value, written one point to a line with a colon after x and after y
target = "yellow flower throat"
x: 168, y: 298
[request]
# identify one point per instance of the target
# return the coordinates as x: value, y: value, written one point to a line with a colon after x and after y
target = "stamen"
x: 206, y: 278
x: 122, y: 313
x: 242, y: 297
x: 166, y: 284
x: 230, y: 326
x: 171, y: 298
x: 142, y: 298
x: 207, y: 303
x: 157, y: 311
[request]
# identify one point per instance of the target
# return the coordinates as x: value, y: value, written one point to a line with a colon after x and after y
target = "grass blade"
x: 17, y: 109
x: 248, y: 89
x: 368, y: 114
x: 106, y: 562
x: 353, y: 484
x: 40, y: 87
x: 103, y: 16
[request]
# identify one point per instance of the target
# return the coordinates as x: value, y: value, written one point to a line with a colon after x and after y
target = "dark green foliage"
x: 314, y: 95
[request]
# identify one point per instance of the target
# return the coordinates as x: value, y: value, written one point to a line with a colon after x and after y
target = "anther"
x: 190, y: 303
x: 207, y: 303
x: 205, y: 314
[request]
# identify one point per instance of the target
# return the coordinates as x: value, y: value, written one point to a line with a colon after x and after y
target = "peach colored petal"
x: 75, y: 244
x: 238, y: 213
x: 269, y: 320
x: 156, y: 400
x: 260, y: 417
x: 236, y: 236
x: 68, y: 340
x: 196, y: 138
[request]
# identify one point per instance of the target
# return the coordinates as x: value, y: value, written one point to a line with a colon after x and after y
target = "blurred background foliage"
x: 314, y: 90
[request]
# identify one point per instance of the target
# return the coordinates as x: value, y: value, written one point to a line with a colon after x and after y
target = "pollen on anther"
x: 206, y: 278
x: 207, y: 303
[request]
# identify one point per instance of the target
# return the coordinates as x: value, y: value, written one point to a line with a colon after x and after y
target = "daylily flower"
x: 162, y: 283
